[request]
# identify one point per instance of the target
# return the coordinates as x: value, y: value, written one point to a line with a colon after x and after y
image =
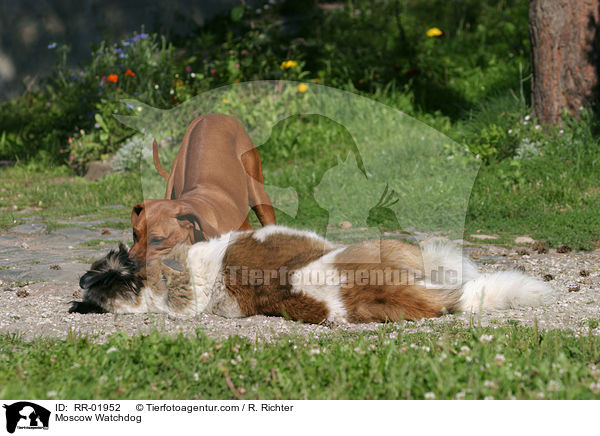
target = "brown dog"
x: 215, y: 176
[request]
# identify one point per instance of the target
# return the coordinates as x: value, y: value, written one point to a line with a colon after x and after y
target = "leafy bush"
x: 129, y: 155
x: 71, y: 118
x: 388, y: 50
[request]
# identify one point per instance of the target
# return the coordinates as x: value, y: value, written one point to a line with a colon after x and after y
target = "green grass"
x: 57, y: 193
x: 119, y: 225
x: 97, y: 242
x: 386, y: 364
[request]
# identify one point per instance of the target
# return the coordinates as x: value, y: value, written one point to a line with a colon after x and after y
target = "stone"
x: 524, y: 240
x: 28, y: 229
x: 97, y: 170
x: 540, y: 248
x: 344, y: 225
x: 483, y: 237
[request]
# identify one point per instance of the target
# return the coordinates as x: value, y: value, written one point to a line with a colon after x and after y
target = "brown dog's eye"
x: 156, y: 241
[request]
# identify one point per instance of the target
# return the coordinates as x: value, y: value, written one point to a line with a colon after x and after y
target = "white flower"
x: 499, y: 360
x: 111, y: 350
x: 196, y: 376
x: 561, y: 131
x: 464, y: 350
x: 486, y: 339
x: 540, y: 395
x: 460, y: 395
x: 595, y: 387
x: 553, y: 386
x: 429, y: 396
x: 489, y: 397
x: 509, y: 131
x: 51, y: 394
x: 538, y: 127
x: 490, y: 384
x: 527, y: 117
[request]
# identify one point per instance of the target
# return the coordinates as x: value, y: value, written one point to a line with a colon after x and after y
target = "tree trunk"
x: 564, y: 38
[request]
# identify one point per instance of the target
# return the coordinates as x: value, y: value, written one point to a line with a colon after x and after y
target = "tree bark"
x: 564, y: 38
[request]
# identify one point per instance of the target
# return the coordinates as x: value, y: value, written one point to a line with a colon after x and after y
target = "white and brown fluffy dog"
x: 297, y: 274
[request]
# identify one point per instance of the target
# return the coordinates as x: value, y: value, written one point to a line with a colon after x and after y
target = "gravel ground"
x: 39, y: 274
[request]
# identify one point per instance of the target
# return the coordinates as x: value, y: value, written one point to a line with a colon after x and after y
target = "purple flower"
x: 296, y: 166
x: 128, y: 106
x: 138, y: 37
x: 117, y: 50
x: 51, y: 45
x: 258, y: 11
x: 188, y: 69
x: 123, y: 55
x: 125, y: 43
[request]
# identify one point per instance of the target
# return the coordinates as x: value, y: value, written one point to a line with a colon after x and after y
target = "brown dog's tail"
x: 156, y: 160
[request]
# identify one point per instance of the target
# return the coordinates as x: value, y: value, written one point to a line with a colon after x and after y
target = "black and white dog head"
x: 111, y: 281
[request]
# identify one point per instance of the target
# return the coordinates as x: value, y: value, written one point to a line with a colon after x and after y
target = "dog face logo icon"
x: 26, y: 415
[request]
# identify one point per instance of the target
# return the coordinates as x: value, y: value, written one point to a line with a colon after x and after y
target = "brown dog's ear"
x: 187, y: 216
x: 202, y: 230
x: 135, y: 213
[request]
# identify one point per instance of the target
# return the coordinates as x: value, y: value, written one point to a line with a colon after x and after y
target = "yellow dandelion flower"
x: 303, y: 87
x: 225, y: 100
x: 434, y: 31
x: 288, y: 64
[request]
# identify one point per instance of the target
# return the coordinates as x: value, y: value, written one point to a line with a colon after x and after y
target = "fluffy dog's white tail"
x: 504, y: 290
x: 494, y: 291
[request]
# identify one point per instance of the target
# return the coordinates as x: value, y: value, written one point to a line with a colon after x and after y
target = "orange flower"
x: 113, y: 78
x: 129, y: 73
